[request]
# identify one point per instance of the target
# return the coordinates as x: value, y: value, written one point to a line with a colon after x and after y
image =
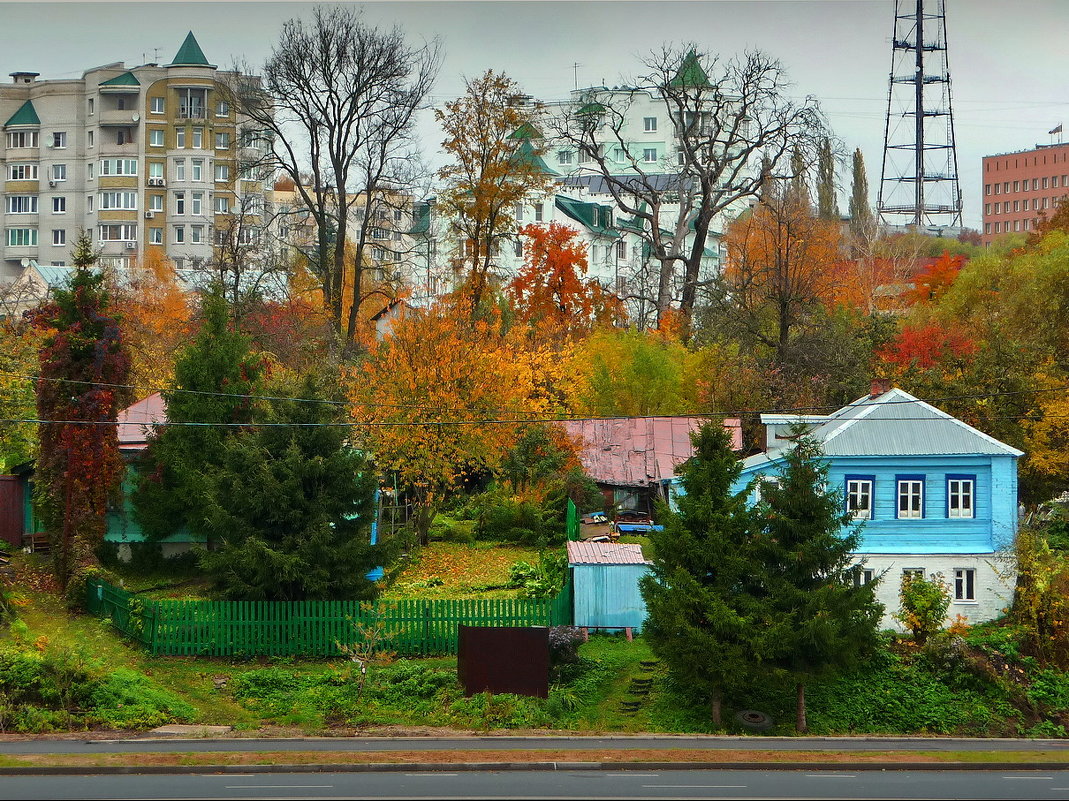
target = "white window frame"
x: 155, y: 236
x: 856, y: 490
x: 25, y: 172
x: 157, y: 137
x: 27, y: 235
x: 649, y: 124
x: 27, y: 204
x: 197, y: 141
x: 179, y: 234
x: 23, y: 139
x: 649, y: 154
x: 155, y: 203
x: 222, y: 140
x: 59, y: 140
x: 964, y: 584
x: 59, y: 237
x: 196, y: 168
x: 222, y: 173
x: 157, y: 105
x: 959, y: 489
x: 127, y: 232
x: 180, y: 138
x: 908, y: 488
x: 863, y: 576
x: 59, y: 204
x: 58, y: 172
x: 179, y: 170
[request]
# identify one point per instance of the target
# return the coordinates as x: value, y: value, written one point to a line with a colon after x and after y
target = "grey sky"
x: 1006, y: 59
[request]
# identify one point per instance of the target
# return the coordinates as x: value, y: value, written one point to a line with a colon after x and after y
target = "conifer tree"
x: 818, y: 619
x: 862, y: 221
x: 698, y: 622
x: 827, y: 205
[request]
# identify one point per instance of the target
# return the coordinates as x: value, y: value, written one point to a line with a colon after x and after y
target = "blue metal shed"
x: 605, y: 583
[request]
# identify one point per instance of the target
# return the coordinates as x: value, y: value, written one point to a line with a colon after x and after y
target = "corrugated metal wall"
x: 607, y: 596
x: 11, y: 510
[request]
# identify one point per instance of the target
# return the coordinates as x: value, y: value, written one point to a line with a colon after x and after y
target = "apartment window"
x: 222, y: 172
x: 155, y: 169
x: 1024, y: 204
x: 1016, y: 225
x: 118, y: 167
x: 179, y: 137
x: 1006, y: 187
x: 222, y: 140
x: 380, y: 233
x: 863, y: 575
x: 89, y: 138
x: 998, y: 227
x: 564, y: 157
x: 621, y: 250
x: 59, y: 139
x: 21, y: 237
x: 90, y: 170
x: 518, y: 212
x: 1016, y: 186
x: 197, y: 166
x: 910, y: 497
x: 155, y: 137
x: 247, y: 236
x: 58, y: 263
x: 538, y: 212
x: 649, y: 124
x: 1006, y: 207
x: 22, y: 172
x: 179, y: 202
x: 22, y: 139
x: 649, y: 154
x: 987, y: 228
x: 191, y: 103
x: 196, y: 234
x: 59, y: 172
x: 518, y: 249
x: 859, y: 496
x: 179, y: 235
x: 22, y: 204
x: 619, y: 154
x: 118, y: 232
x: 1045, y: 182
x: 998, y: 189
x: 987, y: 189
x: 221, y: 204
x: 196, y: 202
x: 126, y: 201
x: 1045, y: 200
x: 987, y: 208
x: 89, y: 203
x: 180, y: 169
x: 120, y: 103
x: 1016, y: 205
x: 155, y: 236
x: 222, y: 109
x: 59, y: 205
x: 155, y: 202
x: 59, y: 236
x: 198, y: 138
x: 92, y: 105
x: 1035, y: 184
x: 965, y: 584
x: 961, y: 496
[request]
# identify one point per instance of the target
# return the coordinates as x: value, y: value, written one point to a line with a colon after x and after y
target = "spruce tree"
x: 292, y: 504
x: 862, y: 220
x: 827, y: 205
x: 818, y: 619
x: 697, y: 621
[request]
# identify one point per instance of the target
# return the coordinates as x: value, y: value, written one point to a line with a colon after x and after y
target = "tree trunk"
x: 715, y: 708
x: 799, y: 722
x: 664, y: 289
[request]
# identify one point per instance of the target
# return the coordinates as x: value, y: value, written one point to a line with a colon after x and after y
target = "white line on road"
x: 277, y: 786
x: 701, y: 786
x: 632, y: 775
x: 436, y: 775
x: 1033, y: 778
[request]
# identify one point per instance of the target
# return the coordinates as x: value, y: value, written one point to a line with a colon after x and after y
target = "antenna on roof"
x: 156, y: 55
x: 575, y: 73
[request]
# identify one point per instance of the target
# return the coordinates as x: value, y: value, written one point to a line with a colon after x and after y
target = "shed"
x: 605, y: 584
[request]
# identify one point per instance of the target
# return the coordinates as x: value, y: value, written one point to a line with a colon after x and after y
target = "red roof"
x: 639, y: 451
x: 135, y: 422
x: 605, y: 553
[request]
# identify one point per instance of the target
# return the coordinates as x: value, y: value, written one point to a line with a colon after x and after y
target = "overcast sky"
x: 1007, y: 58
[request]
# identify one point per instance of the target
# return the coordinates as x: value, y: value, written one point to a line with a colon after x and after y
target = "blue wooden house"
x: 934, y: 494
x: 605, y: 587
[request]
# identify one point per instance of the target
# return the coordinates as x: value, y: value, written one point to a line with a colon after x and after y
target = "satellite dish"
x: 137, y: 118
x: 25, y: 262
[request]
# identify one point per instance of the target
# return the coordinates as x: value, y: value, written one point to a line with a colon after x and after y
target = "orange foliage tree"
x: 551, y: 292
x: 926, y: 346
x: 935, y: 278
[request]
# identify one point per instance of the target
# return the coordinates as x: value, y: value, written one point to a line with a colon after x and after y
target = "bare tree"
x: 735, y: 127
x: 338, y: 101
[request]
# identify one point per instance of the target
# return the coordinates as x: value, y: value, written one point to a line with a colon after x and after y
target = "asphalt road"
x: 748, y: 784
x: 593, y: 744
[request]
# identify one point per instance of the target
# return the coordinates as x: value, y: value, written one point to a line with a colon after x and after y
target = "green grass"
x: 453, y: 570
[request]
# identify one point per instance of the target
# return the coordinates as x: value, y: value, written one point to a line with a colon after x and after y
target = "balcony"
x: 123, y: 118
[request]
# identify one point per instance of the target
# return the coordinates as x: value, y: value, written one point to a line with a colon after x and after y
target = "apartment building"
x: 147, y: 158
x: 1020, y: 187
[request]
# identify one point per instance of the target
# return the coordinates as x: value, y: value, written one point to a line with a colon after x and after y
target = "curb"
x: 453, y: 767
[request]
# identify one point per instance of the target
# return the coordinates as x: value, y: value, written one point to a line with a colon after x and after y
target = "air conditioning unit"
x: 156, y: 182
x: 52, y: 183
x: 131, y: 245
x: 149, y: 215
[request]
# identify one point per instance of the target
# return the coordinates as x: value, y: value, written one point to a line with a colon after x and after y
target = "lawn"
x: 453, y: 570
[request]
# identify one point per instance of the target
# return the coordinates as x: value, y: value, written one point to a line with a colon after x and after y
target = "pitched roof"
x: 190, y: 54
x: 526, y: 131
x: 691, y: 73
x: 135, y: 421
x: 525, y: 154
x: 897, y: 424
x: 421, y: 218
x: 638, y: 451
x: 26, y: 115
x: 591, y: 215
x: 605, y: 553
x: 126, y: 79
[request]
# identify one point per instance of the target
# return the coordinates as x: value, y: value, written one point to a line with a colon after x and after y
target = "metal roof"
x: 639, y: 451
x: 135, y: 421
x: 605, y: 553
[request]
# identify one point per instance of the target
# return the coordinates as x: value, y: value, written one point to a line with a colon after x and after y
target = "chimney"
x: 24, y: 77
x: 879, y: 386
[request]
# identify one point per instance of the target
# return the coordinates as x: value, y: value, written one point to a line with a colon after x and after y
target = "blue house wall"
x: 608, y: 596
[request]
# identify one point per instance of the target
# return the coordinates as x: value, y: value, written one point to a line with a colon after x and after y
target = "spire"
x: 26, y: 115
x: 690, y: 73
x: 190, y: 54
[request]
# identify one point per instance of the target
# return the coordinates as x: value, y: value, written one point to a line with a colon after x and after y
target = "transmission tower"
x: 919, y: 179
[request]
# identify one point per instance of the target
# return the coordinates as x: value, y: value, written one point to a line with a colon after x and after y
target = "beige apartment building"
x: 147, y: 159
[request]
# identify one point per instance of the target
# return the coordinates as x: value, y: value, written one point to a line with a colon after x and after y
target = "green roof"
x: 592, y: 108
x: 526, y: 131
x: 126, y: 79
x: 421, y: 218
x: 26, y: 115
x: 690, y: 73
x: 526, y: 154
x: 591, y: 215
x: 190, y: 54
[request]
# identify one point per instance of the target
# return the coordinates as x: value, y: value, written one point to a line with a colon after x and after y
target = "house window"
x: 155, y: 236
x: 538, y: 212
x: 59, y: 172
x: 863, y: 576
x: 621, y: 250
x: 22, y: 204
x: 859, y: 496
x: 59, y: 237
x: 198, y: 169
x: 518, y: 248
x: 180, y: 137
x: 222, y: 109
x: 59, y: 139
x: 965, y: 584
x: 222, y: 140
x: 155, y: 202
x: 198, y: 138
x: 762, y: 486
x: 649, y: 124
x: 564, y: 157
x: 22, y: 237
x: 961, y: 496
x: 910, y: 497
x: 649, y: 154
x: 222, y: 172
x: 180, y: 169
x: 59, y: 205
x: 910, y: 573
x: 179, y: 202
x: 22, y: 172
x: 156, y: 105
x: 179, y: 234
x: 518, y: 211
x: 22, y: 139
x: 155, y: 137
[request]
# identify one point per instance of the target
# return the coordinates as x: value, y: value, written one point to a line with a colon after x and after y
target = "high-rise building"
x: 1020, y: 187
x: 147, y: 159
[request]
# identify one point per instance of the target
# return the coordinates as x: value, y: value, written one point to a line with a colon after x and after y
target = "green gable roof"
x: 126, y: 79
x: 690, y: 73
x: 421, y: 218
x: 525, y: 154
x: 26, y: 115
x: 526, y: 131
x: 591, y: 215
x: 592, y: 108
x: 190, y: 54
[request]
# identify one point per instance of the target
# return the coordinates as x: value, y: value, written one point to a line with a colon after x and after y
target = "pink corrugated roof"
x: 605, y: 553
x: 639, y: 451
x: 135, y: 421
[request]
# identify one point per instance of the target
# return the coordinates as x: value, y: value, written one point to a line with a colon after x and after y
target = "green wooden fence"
x: 311, y: 628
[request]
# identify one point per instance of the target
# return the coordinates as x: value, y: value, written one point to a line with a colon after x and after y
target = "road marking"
x: 698, y: 786
x: 1033, y: 778
x: 277, y: 786
x: 830, y: 776
x: 632, y: 775
x: 431, y: 774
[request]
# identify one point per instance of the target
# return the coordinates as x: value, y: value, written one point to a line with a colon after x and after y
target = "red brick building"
x: 1019, y: 187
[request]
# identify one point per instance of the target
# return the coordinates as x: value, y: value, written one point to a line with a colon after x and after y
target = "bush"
x: 924, y: 605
